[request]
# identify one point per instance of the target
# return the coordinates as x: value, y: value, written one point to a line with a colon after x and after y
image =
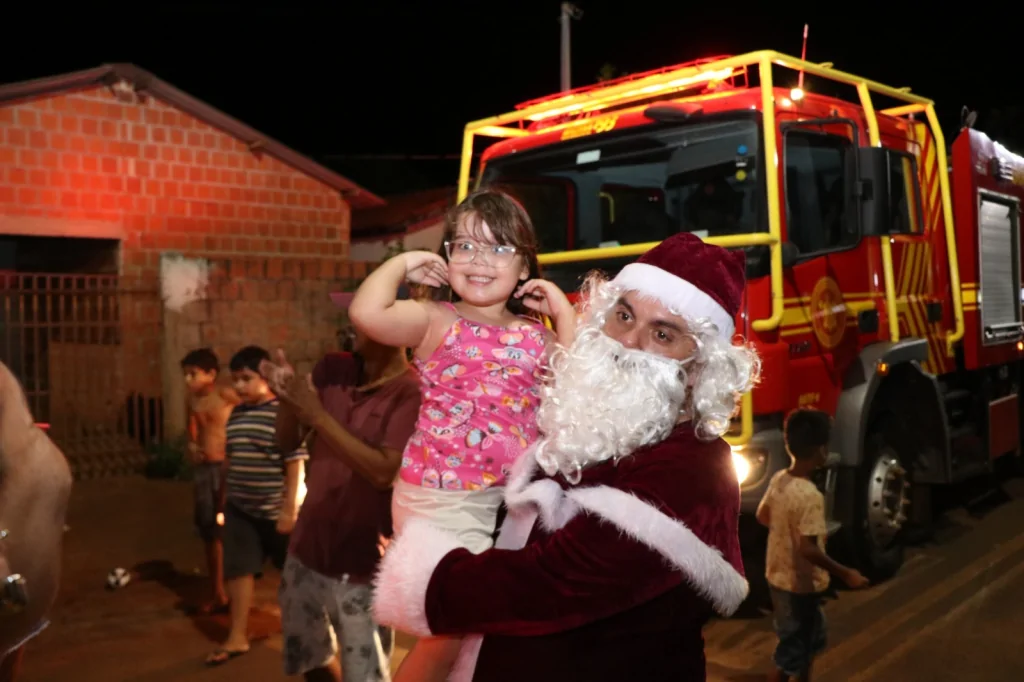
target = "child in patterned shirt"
x: 479, y: 360
x: 797, y: 566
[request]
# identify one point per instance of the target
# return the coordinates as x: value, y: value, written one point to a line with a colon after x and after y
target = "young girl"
x: 479, y: 360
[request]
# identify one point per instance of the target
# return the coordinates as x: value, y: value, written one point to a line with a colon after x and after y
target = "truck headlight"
x: 742, y: 466
x: 750, y: 462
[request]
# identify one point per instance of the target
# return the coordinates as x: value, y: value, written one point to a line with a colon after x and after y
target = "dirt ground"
x: 141, y: 632
x: 952, y: 613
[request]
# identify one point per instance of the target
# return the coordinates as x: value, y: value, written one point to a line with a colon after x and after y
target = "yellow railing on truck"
x: 678, y: 80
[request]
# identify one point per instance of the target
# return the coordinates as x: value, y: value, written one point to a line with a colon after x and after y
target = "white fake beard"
x: 605, y: 402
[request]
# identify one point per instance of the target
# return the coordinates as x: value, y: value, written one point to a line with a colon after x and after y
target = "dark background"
x: 395, y: 80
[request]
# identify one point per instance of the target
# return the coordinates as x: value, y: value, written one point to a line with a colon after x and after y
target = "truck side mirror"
x: 873, y: 190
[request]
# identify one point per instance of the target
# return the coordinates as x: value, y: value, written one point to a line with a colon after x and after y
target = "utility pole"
x: 569, y: 12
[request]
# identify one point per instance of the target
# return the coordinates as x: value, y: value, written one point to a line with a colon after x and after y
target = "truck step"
x: 956, y: 394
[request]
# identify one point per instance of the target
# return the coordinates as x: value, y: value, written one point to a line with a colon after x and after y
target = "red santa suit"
x: 617, y: 577
x: 612, y: 578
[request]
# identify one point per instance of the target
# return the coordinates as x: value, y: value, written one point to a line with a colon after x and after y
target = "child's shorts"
x: 249, y: 541
x: 471, y: 515
x: 208, y: 478
x: 800, y: 625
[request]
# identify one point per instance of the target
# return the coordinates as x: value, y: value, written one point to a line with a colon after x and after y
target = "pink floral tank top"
x: 479, y: 402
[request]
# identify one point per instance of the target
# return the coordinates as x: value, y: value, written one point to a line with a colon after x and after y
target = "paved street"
x: 954, y: 612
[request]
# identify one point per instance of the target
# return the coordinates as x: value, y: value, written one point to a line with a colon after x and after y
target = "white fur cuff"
x: 400, y: 588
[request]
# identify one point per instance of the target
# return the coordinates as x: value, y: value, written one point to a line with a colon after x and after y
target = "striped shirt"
x: 255, y: 480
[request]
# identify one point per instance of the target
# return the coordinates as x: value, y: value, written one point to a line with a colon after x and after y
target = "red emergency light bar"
x: 616, y: 81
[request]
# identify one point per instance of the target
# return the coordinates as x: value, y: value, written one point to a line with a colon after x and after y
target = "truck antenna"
x: 803, y: 58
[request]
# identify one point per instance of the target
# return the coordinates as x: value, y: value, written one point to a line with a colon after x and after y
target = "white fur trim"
x: 544, y: 496
x: 523, y: 470
x: 708, y: 572
x: 465, y: 663
x: 400, y: 587
x: 675, y: 293
x: 516, y: 528
x: 705, y: 568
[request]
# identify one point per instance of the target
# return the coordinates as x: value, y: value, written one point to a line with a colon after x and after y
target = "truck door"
x: 912, y: 168
x: 830, y: 280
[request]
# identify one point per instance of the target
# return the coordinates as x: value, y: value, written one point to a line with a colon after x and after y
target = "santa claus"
x: 621, y: 535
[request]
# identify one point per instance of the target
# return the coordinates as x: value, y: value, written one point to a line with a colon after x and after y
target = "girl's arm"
x: 388, y: 321
x: 546, y: 298
x: 565, y: 325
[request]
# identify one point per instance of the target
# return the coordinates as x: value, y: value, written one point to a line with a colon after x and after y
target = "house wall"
x: 424, y: 237
x: 86, y: 164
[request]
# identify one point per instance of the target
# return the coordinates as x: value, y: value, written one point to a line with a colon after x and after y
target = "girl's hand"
x: 424, y: 267
x: 546, y: 298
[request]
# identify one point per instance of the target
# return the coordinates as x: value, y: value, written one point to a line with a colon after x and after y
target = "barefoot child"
x: 262, y: 495
x: 793, y: 509
x: 209, y: 407
x: 479, y: 361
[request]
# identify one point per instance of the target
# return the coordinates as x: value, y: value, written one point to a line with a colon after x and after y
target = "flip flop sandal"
x: 222, y: 656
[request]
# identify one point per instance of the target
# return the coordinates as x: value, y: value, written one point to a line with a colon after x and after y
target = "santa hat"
x: 691, y: 278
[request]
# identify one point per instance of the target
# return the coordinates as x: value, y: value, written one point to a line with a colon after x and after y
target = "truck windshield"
x: 641, y: 185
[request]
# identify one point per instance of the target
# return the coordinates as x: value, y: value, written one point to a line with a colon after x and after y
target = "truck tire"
x: 881, y: 499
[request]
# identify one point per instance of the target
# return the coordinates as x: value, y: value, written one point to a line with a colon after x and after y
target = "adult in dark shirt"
x: 358, y: 409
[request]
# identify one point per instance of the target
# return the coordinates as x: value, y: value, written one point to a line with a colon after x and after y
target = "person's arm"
x: 588, y: 570
x: 192, y: 448
x: 228, y: 395
x: 376, y: 465
x: 375, y: 310
x: 544, y: 297
x: 294, y: 475
x: 584, y: 572
x: 810, y: 526
x: 35, y: 484
x: 288, y: 431
x: 810, y: 550
x: 764, y: 511
x: 565, y: 326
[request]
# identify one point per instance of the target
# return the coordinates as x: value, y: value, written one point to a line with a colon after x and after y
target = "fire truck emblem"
x: 828, y: 312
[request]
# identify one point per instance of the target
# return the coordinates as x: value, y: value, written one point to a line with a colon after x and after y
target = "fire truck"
x: 884, y: 277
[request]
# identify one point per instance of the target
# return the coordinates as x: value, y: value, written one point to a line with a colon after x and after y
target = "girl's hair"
x: 509, y: 223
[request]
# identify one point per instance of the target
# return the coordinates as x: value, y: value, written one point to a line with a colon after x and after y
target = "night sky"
x: 402, y: 78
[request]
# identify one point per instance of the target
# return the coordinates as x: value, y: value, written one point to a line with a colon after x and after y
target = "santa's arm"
x: 621, y: 552
x: 428, y: 584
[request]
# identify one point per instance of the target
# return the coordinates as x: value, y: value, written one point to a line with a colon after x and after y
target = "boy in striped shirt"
x: 262, y: 495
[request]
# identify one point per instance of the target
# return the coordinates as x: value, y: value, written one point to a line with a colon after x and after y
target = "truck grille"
x: 1000, y: 287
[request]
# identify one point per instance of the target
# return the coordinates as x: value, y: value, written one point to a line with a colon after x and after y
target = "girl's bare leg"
x: 430, y: 660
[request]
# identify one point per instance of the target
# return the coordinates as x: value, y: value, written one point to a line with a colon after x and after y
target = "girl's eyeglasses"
x: 496, y: 255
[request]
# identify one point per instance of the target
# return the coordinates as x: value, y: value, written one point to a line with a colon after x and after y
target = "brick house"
x: 416, y: 220
x: 105, y: 172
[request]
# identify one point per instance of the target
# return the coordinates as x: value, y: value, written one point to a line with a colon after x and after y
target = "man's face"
x: 198, y: 380
x: 620, y: 386
x: 250, y: 386
x: 640, y: 323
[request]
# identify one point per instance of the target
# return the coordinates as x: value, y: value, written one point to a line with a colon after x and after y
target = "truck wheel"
x: 884, y: 495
